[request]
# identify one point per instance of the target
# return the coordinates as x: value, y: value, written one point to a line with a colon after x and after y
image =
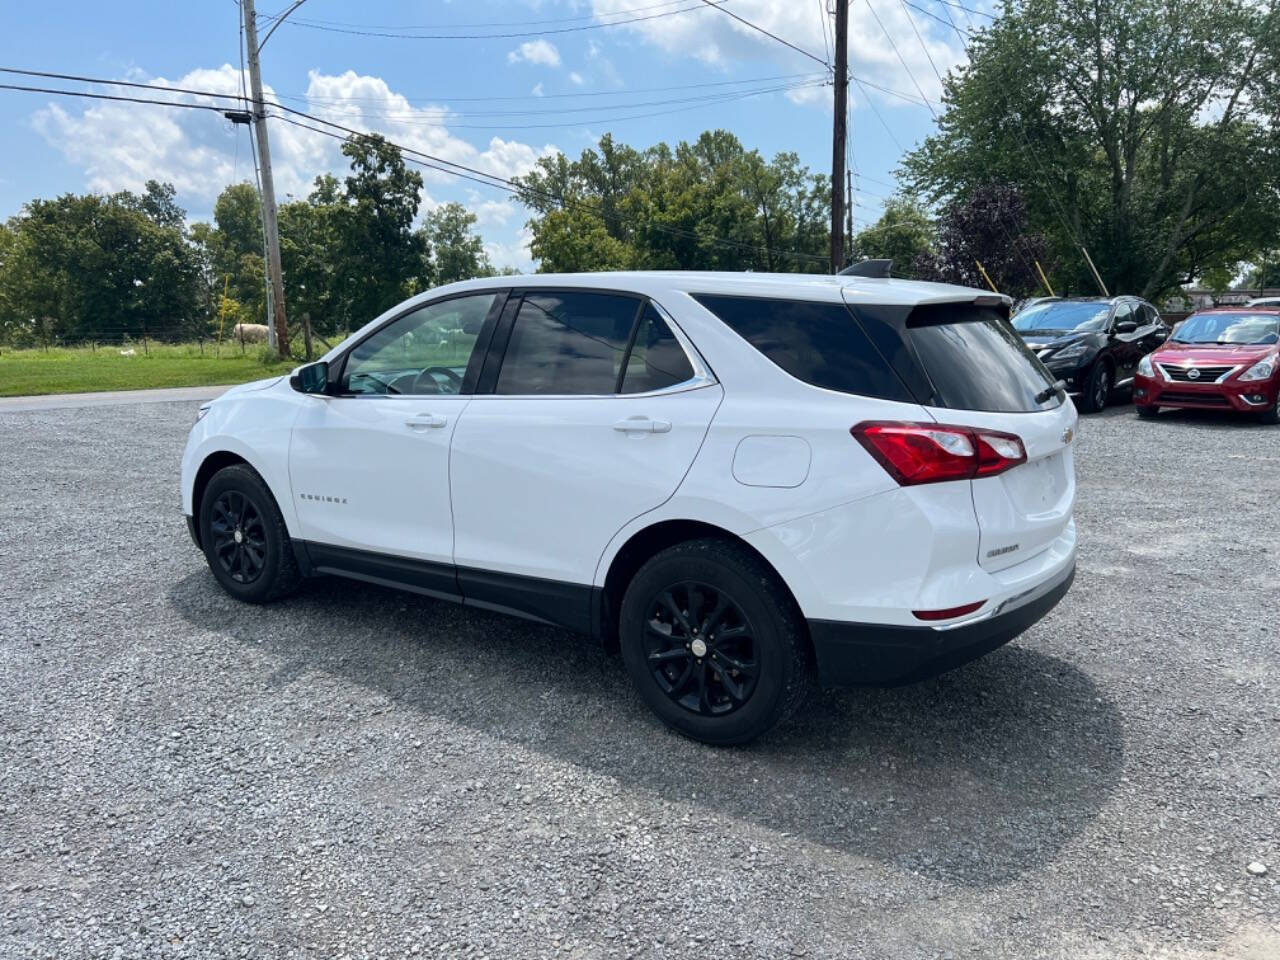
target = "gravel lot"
x: 356, y: 772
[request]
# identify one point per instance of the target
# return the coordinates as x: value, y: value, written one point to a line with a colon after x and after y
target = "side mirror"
x: 313, y: 378
x: 1126, y: 326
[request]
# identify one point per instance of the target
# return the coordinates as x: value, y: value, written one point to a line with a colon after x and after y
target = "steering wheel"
x: 453, y: 378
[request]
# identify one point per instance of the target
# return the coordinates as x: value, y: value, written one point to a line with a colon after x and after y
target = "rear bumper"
x: 1251, y: 397
x: 856, y: 654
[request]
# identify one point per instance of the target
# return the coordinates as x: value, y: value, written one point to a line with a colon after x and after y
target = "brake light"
x: 915, y: 453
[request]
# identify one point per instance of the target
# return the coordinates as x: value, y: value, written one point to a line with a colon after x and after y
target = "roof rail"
x: 867, y: 268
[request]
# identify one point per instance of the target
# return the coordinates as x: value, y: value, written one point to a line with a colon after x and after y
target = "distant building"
x: 1190, y: 299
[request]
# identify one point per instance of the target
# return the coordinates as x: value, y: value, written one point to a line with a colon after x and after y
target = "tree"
x: 451, y: 246
x: 1142, y: 129
x: 234, y: 250
x: 94, y: 267
x: 312, y: 237
x: 706, y: 205
x: 382, y: 256
x: 988, y: 227
x: 903, y: 233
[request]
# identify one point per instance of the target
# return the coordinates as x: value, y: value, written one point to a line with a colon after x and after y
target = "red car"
x: 1226, y: 358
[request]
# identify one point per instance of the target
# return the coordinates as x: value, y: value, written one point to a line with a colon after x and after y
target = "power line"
x: 879, y: 115
x: 923, y: 45
x: 826, y: 34
x: 105, y: 96
x: 445, y: 113
x: 509, y: 35
x: 901, y: 60
x: 442, y: 117
x: 773, y: 36
x: 701, y: 104
x: 127, y: 83
x: 931, y: 14
x: 441, y: 98
x: 961, y: 6
x: 466, y: 26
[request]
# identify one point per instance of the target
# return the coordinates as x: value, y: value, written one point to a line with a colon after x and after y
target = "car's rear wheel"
x: 1146, y: 411
x: 713, y: 642
x: 1097, y: 389
x: 244, y: 537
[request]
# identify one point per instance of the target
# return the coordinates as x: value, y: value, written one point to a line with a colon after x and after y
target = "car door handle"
x: 642, y: 425
x: 425, y: 421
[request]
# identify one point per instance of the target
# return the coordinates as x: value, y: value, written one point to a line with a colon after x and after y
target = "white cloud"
x: 122, y: 145
x: 535, y: 51
x: 537, y: 89
x: 720, y: 41
x: 576, y: 78
x: 515, y: 254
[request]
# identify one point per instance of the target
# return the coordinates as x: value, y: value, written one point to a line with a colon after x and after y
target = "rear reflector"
x: 914, y: 453
x: 948, y: 613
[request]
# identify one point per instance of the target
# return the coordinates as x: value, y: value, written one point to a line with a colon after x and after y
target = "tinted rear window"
x: 976, y: 361
x: 819, y: 343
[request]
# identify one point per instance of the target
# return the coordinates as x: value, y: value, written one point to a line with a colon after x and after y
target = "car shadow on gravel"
x: 972, y: 778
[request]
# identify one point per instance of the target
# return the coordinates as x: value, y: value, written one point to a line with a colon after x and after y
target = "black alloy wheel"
x: 700, y: 649
x: 244, y: 537
x: 239, y: 537
x: 714, y: 642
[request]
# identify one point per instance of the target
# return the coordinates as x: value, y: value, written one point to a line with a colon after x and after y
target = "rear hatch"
x: 977, y: 372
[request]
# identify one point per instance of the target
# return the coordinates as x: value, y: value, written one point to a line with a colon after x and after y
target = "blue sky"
x: 558, y: 82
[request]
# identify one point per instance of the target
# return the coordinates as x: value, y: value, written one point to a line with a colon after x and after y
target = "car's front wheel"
x: 244, y: 537
x: 1146, y: 411
x: 1097, y: 389
x: 713, y: 642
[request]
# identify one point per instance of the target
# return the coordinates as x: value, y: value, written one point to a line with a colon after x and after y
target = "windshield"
x: 1241, y: 327
x: 1063, y: 317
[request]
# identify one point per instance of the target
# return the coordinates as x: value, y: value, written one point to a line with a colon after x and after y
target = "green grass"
x: 83, y: 370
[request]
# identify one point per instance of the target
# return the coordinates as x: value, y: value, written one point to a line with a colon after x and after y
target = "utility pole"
x: 279, y: 328
x: 838, y: 135
x: 848, y: 220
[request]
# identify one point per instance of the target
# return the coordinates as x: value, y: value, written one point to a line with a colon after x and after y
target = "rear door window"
x: 819, y: 343
x: 567, y: 343
x: 656, y: 361
x: 976, y: 361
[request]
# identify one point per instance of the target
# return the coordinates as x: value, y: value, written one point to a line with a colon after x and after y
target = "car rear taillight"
x: 914, y: 453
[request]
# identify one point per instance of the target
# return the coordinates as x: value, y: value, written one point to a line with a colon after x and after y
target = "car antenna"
x: 867, y: 268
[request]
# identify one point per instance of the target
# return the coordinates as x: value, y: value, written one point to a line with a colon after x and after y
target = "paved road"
x: 113, y: 398
x: 362, y: 773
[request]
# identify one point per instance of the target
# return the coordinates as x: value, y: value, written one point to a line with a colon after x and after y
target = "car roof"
x: 1264, y: 307
x: 782, y: 286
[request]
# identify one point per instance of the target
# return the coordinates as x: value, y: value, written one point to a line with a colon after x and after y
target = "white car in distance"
x: 741, y: 482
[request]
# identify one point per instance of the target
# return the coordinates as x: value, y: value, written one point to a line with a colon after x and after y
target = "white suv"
x: 739, y: 481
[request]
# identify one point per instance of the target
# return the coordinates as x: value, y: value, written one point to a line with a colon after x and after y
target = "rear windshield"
x: 977, y: 362
x: 819, y: 343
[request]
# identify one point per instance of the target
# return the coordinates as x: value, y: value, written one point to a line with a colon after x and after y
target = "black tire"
x: 244, y: 537
x: 1146, y: 412
x: 721, y: 702
x: 1271, y: 416
x: 1097, y: 389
